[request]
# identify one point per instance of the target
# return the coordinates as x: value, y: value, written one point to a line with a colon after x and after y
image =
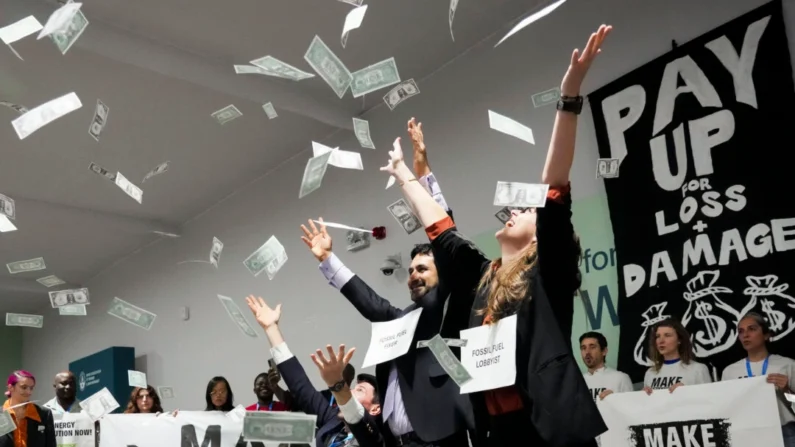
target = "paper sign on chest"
x: 490, y: 355
x: 391, y: 339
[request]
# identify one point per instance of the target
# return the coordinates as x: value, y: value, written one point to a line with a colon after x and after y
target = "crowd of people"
x: 411, y: 401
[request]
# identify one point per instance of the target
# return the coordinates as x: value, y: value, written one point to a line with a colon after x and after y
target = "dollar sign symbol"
x: 774, y: 317
x: 714, y: 325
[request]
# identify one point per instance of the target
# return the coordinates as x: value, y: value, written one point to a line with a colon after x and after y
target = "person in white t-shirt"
x: 754, y: 334
x: 601, y: 380
x: 673, y: 361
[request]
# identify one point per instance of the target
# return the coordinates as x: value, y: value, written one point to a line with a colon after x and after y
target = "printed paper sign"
x: 391, y: 339
x: 490, y: 355
x: 734, y: 413
x: 73, y: 430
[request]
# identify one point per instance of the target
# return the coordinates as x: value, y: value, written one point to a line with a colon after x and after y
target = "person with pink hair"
x: 35, y: 427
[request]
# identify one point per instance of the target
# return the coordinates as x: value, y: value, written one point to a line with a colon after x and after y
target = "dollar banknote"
x: 510, y: 127
x: 274, y: 67
x: 272, y: 426
x: 362, y: 130
x: 313, y: 174
x: 7, y: 424
x: 237, y: 316
x: 340, y: 159
x: 451, y: 15
x: 100, y: 119
x: 166, y: 392
x: 352, y: 21
x: 99, y: 404
x: 521, y: 195
x: 269, y: 258
x: 215, y: 252
x: 250, y: 69
x: 15, y: 107
x: 402, y: 213
x: 503, y: 215
x: 30, y: 265
x: 74, y: 310
x: 328, y: 66
x: 95, y: 168
x: 65, y: 37
x: 400, y: 93
x: 131, y: 190
x: 8, y: 207
x: 45, y: 114
x: 69, y: 296
x: 269, y: 110
x: 50, y: 281
x: 449, y: 362
x: 157, y: 170
x: 546, y: 97
x: 353, y: 2
x: 59, y: 18
x: 24, y: 320
x: 605, y: 168
x: 136, y: 378
x: 20, y: 30
x: 452, y: 342
x: 131, y: 314
x: 226, y: 114
x: 375, y: 77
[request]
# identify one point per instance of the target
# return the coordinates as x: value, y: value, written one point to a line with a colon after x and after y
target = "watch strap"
x: 572, y: 104
x: 337, y: 386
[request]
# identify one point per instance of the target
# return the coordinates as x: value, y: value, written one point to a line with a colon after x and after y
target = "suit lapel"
x: 326, y: 429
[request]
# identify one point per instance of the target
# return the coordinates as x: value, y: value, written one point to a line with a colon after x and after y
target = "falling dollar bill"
x: 250, y: 69
x: 375, y: 77
x: 44, y: 114
x: 449, y: 362
x: 521, y: 195
x: 353, y: 2
x: 99, y: 404
x: 69, y: 297
x: 269, y: 110
x: 546, y: 97
x: 283, y: 427
x: 50, y: 281
x: 24, y: 320
x: 131, y: 190
x: 74, y: 310
x: 390, y: 182
x: 400, y: 93
x: 215, y: 252
x: 340, y: 159
x: 452, y: 342
x: 15, y: 107
x: 59, y: 18
x: 136, y: 379
x: 30, y: 265
x: 99, y: 120
x: 352, y: 21
x: 313, y: 174
x: 20, y: 30
x: 503, y: 215
x: 65, y: 37
x: 237, y: 316
x: 131, y: 314
x: 451, y: 15
x: 270, y: 258
x: 328, y: 66
x: 274, y: 67
x: 166, y: 392
x: 226, y: 114
x: 7, y: 424
x: 607, y: 168
x: 362, y: 130
x: 510, y: 127
x: 93, y: 167
x: 157, y: 170
x: 527, y: 21
x: 8, y: 207
x: 402, y: 213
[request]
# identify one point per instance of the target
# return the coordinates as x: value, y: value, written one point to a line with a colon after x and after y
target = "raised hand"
x: 318, y: 241
x: 421, y: 167
x: 273, y: 378
x: 266, y: 317
x: 580, y: 63
x: 331, y: 369
x: 395, y: 157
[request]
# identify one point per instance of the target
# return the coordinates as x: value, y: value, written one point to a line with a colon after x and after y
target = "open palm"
x: 266, y: 317
x: 318, y: 241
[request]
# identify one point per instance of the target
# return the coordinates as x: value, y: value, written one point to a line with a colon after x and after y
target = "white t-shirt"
x: 776, y: 365
x: 670, y: 374
x: 606, y: 378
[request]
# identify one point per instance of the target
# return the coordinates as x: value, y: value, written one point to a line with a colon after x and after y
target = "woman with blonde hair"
x: 35, y: 425
x: 535, y: 279
x: 672, y: 358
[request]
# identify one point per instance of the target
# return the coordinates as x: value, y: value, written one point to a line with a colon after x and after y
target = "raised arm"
x: 283, y: 395
x: 371, y: 305
x: 422, y: 168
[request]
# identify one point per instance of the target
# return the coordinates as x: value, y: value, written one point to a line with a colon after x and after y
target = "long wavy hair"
x: 685, y: 348
x: 132, y: 405
x: 229, y: 405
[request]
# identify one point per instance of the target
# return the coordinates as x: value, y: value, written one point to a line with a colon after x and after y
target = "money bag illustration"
x: 652, y: 316
x: 775, y: 305
x: 711, y: 322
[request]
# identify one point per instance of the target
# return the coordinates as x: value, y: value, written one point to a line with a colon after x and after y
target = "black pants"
x: 515, y: 430
x: 459, y: 439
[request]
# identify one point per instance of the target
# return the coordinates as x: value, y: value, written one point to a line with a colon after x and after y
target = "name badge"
x: 41, y: 428
x: 391, y: 339
x: 490, y: 355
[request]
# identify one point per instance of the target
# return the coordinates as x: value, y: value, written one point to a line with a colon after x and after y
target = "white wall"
x: 466, y: 155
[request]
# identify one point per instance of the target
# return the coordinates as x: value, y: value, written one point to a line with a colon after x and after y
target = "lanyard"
x: 270, y: 406
x: 331, y: 402
x: 748, y: 366
x: 342, y: 442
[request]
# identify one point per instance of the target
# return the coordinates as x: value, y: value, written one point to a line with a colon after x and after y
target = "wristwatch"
x: 337, y: 387
x: 571, y: 104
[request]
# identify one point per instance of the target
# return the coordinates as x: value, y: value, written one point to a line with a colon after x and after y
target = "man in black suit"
x: 353, y: 422
x: 349, y: 373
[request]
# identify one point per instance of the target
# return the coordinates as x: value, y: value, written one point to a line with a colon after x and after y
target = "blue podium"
x: 105, y: 369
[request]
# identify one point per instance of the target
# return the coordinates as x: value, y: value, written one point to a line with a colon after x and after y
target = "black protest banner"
x: 702, y: 212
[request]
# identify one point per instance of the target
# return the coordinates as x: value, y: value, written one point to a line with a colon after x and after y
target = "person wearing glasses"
x: 219, y: 396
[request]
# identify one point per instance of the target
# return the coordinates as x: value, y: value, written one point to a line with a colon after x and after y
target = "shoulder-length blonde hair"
x: 685, y: 347
x: 507, y: 284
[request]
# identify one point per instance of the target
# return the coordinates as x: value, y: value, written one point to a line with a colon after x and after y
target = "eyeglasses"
x: 219, y: 393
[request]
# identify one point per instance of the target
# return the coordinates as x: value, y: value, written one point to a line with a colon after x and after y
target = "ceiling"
x: 162, y: 66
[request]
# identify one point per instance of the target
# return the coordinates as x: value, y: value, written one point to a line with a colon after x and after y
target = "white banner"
x: 187, y: 429
x: 73, y: 430
x: 735, y: 413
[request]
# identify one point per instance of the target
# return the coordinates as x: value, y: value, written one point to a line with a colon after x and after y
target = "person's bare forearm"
x: 274, y: 335
x: 560, y: 155
x: 428, y: 211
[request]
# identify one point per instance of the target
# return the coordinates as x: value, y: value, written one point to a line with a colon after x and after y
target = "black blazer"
x: 312, y: 401
x: 40, y: 434
x: 549, y: 380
